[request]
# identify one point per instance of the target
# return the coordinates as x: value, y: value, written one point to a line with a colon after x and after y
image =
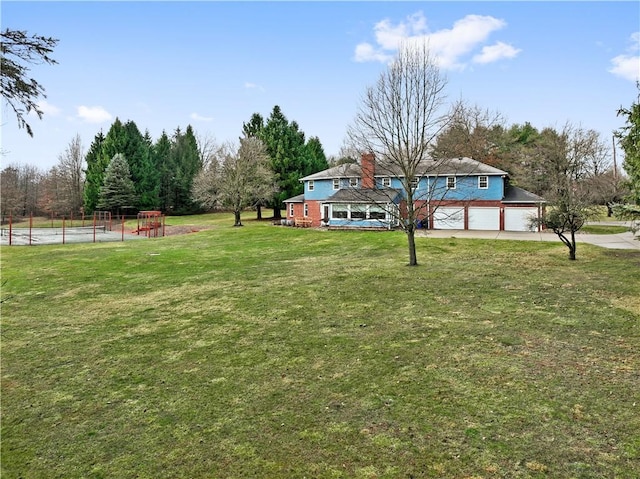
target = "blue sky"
x: 213, y: 64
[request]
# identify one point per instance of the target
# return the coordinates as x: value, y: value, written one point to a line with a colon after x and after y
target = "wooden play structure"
x: 151, y: 223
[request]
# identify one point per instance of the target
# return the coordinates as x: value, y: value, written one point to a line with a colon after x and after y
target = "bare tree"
x: 206, y: 149
x: 71, y: 170
x: 21, y: 190
x: 474, y: 132
x: 398, y: 121
x: 571, y: 158
x: 238, y: 177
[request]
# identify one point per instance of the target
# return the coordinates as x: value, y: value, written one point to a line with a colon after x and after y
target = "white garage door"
x: 484, y: 218
x: 448, y: 219
x: 517, y: 219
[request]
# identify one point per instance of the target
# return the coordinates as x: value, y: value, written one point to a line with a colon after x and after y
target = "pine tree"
x: 118, y: 191
x: 94, y: 173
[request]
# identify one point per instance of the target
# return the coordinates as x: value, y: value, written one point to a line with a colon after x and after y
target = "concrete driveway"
x: 617, y: 241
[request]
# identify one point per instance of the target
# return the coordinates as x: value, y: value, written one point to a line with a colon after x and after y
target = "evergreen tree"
x: 183, y: 165
x: 629, y: 137
x: 145, y: 177
x: 162, y: 162
x: 94, y: 173
x: 316, y: 160
x: 118, y: 191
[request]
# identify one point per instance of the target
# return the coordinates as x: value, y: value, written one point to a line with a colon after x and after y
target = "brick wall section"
x: 315, y: 214
x: 368, y: 164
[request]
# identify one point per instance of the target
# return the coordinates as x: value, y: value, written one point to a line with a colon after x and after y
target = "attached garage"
x: 448, y: 218
x: 484, y: 218
x: 519, y: 219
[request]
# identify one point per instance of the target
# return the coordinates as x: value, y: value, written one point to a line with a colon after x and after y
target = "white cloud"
x: 449, y: 46
x: 365, y: 52
x: 496, y: 52
x: 197, y: 117
x: 48, y: 109
x: 93, y: 114
x: 627, y: 65
x: 252, y: 86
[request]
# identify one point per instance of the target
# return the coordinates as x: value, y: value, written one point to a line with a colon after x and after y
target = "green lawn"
x: 275, y: 352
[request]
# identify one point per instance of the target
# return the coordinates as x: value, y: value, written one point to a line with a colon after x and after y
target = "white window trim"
x: 353, y: 182
x: 336, y: 183
x: 486, y: 182
x: 455, y: 182
x: 386, y: 182
x: 290, y: 209
x: 305, y: 210
x: 310, y: 185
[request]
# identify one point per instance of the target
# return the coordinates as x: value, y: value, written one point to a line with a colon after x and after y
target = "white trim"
x: 486, y: 186
x: 310, y: 185
x: 455, y: 182
x: 336, y: 183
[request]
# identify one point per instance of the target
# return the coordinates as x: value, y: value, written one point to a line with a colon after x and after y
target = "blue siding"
x: 322, y: 189
x: 466, y: 188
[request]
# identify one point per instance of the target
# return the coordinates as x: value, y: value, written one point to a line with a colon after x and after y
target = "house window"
x: 339, y: 211
x: 451, y: 182
x: 358, y: 212
x: 377, y: 213
x: 386, y: 182
x: 290, y: 209
x: 483, y: 182
x: 306, y: 209
x: 414, y: 183
x: 336, y: 183
x: 353, y: 182
x: 310, y: 185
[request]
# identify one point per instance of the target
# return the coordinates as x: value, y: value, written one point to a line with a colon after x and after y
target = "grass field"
x: 273, y: 352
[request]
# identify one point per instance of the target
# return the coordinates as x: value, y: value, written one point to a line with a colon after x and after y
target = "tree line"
x: 126, y: 171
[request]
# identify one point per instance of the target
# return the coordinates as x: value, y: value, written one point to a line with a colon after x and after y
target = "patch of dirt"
x: 183, y: 229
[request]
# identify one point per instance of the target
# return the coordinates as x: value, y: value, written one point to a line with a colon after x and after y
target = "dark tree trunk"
x: 236, y: 215
x: 258, y: 212
x: 411, y: 239
x: 572, y: 246
x: 276, y: 213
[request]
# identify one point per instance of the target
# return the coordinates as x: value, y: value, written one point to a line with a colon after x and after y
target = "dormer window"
x: 310, y: 185
x: 353, y: 182
x: 336, y: 183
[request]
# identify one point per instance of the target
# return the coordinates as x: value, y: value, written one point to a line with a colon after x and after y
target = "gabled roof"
x: 452, y: 167
x: 518, y: 195
x: 365, y: 195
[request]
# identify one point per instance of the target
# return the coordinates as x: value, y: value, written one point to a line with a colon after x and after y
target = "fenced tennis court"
x: 100, y: 228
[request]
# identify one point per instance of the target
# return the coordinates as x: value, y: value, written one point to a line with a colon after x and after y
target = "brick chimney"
x: 368, y: 165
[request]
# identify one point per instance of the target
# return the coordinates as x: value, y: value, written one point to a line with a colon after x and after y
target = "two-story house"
x: 459, y: 193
